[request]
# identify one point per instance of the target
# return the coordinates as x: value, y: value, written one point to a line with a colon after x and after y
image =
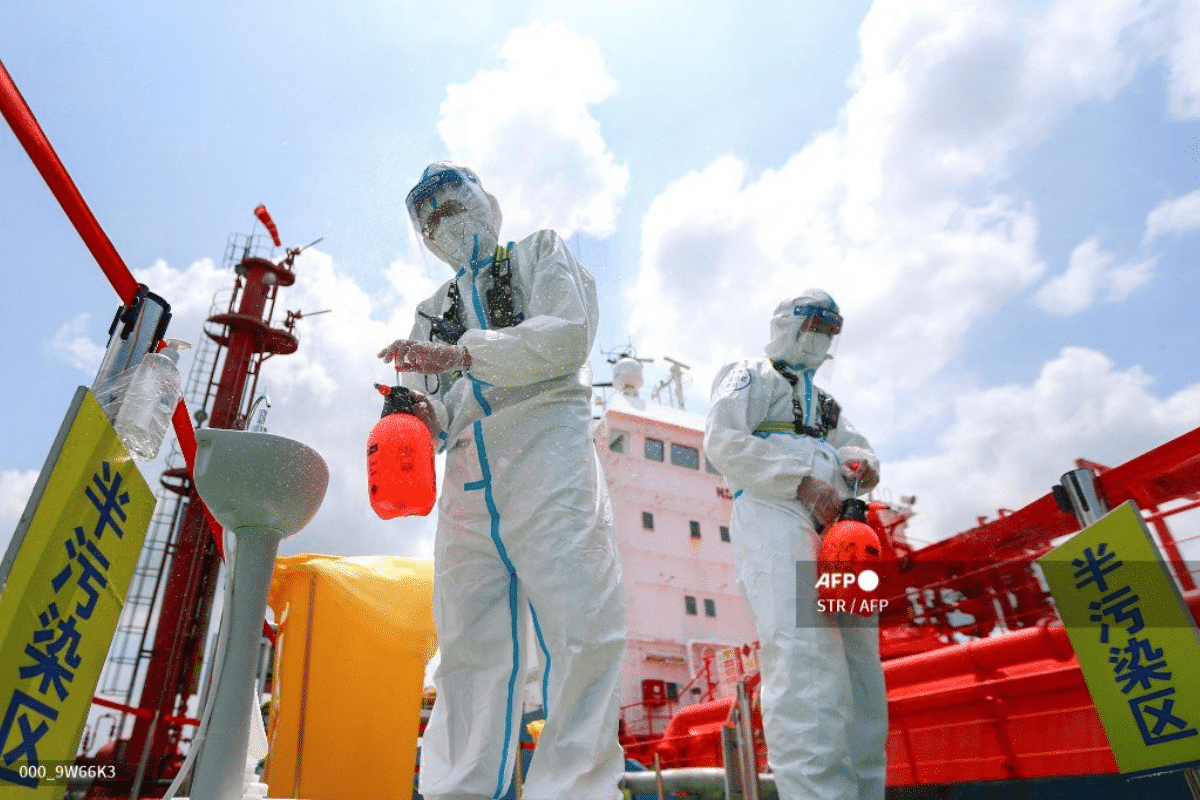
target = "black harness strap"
x: 828, y: 410
x: 501, y: 310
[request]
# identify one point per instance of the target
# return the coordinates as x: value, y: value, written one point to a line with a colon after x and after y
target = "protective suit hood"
x: 791, y: 342
x: 458, y: 221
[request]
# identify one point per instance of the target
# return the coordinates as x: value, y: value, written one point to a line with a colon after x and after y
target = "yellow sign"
x: 67, y: 570
x: 1136, y: 642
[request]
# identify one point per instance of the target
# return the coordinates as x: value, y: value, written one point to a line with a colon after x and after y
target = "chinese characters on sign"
x: 1139, y: 668
x: 78, y: 545
x: 1134, y: 638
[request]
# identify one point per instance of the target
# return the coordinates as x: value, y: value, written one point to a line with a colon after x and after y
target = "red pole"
x: 41, y: 152
x: 33, y: 139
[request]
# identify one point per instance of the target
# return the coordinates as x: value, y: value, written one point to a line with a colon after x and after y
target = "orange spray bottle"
x: 400, y: 474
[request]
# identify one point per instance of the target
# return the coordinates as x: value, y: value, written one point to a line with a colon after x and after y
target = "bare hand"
x: 860, y: 467
x: 423, y: 410
x: 820, y: 499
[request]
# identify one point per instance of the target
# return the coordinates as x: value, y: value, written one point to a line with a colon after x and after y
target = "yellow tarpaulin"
x: 354, y: 637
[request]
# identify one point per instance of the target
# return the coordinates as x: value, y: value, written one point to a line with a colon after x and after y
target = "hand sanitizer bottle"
x: 154, y: 391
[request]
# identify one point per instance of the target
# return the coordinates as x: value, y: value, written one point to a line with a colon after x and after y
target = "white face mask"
x: 464, y: 237
x: 458, y: 220
x: 812, y: 348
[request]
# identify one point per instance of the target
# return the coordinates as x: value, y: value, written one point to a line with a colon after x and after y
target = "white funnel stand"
x: 262, y: 488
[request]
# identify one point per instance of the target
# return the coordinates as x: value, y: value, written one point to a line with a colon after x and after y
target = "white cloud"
x: 72, y: 344
x: 901, y: 211
x: 1177, y: 215
x: 324, y: 395
x: 1010, y: 444
x: 15, y: 488
x: 1092, y: 276
x: 1183, y: 59
x: 527, y: 130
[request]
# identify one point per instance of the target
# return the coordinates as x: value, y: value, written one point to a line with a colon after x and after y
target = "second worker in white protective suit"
x: 791, y: 458
x: 524, y: 523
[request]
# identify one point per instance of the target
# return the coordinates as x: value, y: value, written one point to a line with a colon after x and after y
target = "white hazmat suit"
x: 823, y: 696
x: 524, y: 523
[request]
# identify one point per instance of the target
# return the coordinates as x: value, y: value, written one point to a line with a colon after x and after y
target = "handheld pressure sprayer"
x: 850, y: 545
x: 400, y: 472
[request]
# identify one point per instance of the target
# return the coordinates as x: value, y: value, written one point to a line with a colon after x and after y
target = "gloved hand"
x: 422, y: 409
x: 820, y: 499
x: 860, y: 467
x: 428, y: 358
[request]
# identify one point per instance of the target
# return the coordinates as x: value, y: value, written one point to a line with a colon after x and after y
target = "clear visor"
x: 819, y: 320
x: 441, y: 195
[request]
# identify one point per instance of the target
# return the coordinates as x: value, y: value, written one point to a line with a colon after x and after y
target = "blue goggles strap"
x: 819, y: 312
x: 425, y: 189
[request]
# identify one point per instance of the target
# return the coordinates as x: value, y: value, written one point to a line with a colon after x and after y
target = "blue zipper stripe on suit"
x: 485, y: 483
x: 546, y: 673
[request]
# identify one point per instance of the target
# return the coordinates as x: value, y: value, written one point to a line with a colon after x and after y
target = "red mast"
x: 244, y: 332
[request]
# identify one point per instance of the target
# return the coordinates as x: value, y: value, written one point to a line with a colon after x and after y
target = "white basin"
x: 262, y: 488
x: 259, y: 480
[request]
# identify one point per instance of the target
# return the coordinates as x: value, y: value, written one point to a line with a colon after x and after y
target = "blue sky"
x: 1004, y: 197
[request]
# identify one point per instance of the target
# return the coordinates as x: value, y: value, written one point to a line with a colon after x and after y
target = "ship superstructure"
x: 671, y: 511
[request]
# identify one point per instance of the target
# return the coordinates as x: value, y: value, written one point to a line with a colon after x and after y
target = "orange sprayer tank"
x: 849, y: 547
x: 400, y: 475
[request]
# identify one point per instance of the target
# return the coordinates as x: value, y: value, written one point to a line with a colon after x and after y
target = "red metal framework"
x: 983, y: 684
x: 152, y: 752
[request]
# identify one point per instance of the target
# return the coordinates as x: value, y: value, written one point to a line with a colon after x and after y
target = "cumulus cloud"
x: 15, y: 488
x: 902, y: 212
x: 1177, y: 215
x: 1093, y: 276
x: 72, y: 344
x: 527, y: 129
x: 1010, y: 444
x: 1182, y: 27
x: 322, y: 395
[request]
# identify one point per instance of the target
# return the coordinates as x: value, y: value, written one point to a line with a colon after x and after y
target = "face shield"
x: 457, y: 219
x: 804, y: 330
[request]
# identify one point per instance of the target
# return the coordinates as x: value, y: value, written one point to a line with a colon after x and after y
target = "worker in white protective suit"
x: 791, y: 458
x: 524, y: 532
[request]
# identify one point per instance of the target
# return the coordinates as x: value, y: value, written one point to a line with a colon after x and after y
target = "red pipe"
x: 138, y: 712
x: 33, y: 139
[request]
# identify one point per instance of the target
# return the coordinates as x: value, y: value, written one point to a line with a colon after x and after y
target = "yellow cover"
x: 354, y: 637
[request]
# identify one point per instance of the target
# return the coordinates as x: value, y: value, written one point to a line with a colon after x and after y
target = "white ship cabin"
x: 691, y: 635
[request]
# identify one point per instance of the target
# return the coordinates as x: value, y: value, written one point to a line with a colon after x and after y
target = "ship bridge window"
x: 647, y: 520
x: 724, y: 533
x: 617, y: 443
x: 695, y: 528
x: 689, y: 604
x: 654, y: 449
x: 710, y: 607
x: 684, y: 456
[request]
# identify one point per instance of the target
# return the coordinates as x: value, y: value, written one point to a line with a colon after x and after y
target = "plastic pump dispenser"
x: 154, y: 391
x: 400, y: 472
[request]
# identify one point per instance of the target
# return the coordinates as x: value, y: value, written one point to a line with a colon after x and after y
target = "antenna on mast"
x: 673, y: 385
